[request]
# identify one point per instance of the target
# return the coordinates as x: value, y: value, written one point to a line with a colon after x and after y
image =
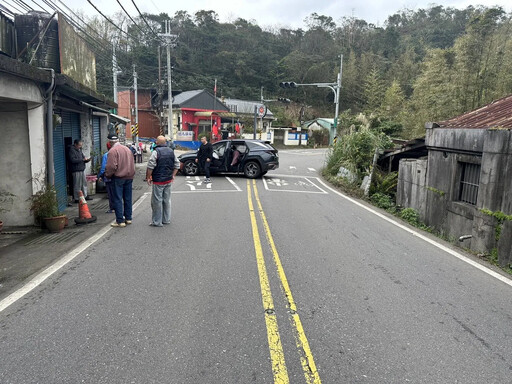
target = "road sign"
x: 262, y: 111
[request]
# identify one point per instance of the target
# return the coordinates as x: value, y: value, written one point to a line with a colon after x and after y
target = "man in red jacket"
x: 121, y: 169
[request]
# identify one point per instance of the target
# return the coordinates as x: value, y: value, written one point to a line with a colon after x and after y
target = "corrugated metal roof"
x: 245, y: 106
x: 493, y: 115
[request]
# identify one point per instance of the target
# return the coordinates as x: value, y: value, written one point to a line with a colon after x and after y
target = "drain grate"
x: 54, y: 238
x: 100, y: 206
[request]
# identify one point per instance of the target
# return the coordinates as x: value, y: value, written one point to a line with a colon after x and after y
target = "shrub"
x: 411, y: 216
x: 383, y: 201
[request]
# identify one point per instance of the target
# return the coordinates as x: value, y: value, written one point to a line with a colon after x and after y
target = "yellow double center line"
x: 279, y: 369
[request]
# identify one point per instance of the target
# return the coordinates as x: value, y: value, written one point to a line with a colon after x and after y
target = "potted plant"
x: 45, y: 207
x: 6, y: 199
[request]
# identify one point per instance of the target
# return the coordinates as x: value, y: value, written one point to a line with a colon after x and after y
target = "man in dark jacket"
x: 77, y: 168
x: 162, y: 168
x: 204, y: 157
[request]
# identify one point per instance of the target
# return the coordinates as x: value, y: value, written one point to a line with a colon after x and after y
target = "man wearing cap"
x: 121, y: 169
x: 162, y: 168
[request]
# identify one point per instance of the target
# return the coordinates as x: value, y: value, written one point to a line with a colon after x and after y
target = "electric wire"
x: 23, y: 5
x: 15, y: 7
x: 110, y: 21
x: 144, y: 19
x: 91, y: 41
x: 6, y: 10
x: 83, y: 21
x: 129, y: 16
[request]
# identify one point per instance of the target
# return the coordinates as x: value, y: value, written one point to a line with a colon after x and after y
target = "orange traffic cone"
x: 84, y: 216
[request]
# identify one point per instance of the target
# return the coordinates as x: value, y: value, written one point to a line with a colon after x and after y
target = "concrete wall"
x: 15, y: 172
x: 492, y: 149
x: 86, y: 132
x: 495, y: 187
x: 411, y: 189
x: 22, y: 113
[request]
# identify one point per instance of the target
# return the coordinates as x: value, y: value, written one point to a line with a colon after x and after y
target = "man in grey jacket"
x: 77, y: 168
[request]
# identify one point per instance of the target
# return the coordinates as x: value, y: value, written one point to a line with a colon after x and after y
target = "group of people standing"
x: 118, y: 170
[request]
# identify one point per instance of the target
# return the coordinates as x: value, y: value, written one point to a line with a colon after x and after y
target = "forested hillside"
x: 424, y: 65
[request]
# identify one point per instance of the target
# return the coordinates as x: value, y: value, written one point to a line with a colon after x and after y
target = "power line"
x: 110, y: 21
x: 91, y: 41
x: 15, y: 7
x: 82, y: 20
x: 23, y: 5
x: 127, y: 14
x: 6, y: 10
x: 143, y: 18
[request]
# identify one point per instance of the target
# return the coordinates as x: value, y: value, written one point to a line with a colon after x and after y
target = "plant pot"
x: 55, y: 224
x: 91, y: 184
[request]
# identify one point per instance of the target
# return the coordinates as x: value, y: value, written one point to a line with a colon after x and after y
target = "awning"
x: 210, y: 113
x: 203, y: 114
x: 119, y: 119
x: 226, y: 114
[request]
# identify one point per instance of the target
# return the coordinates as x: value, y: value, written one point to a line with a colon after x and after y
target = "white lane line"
x: 311, y: 169
x: 307, y: 178
x: 425, y: 238
x: 265, y: 183
x: 205, y: 191
x: 293, y: 167
x: 233, y: 183
x: 42, y: 276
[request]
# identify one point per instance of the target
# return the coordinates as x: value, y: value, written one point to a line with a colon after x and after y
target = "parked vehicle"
x: 254, y: 158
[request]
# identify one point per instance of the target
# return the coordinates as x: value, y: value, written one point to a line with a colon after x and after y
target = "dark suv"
x: 254, y: 158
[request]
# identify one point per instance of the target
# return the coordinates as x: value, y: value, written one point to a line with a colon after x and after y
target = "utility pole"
x: 115, y: 69
x: 160, y: 91
x: 136, y: 106
x: 337, y: 100
x: 170, y: 42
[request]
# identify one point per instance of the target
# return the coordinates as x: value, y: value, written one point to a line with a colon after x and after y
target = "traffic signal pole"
x: 335, y: 87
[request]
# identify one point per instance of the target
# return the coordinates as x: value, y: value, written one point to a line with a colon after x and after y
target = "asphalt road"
x: 273, y: 281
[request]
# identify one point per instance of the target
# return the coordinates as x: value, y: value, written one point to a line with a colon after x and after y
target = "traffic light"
x: 283, y: 100
x: 288, y: 84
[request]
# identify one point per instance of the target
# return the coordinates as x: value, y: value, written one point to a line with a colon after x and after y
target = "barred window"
x: 469, y: 181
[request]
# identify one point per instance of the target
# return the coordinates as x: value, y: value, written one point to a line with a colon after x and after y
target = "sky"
x: 284, y: 13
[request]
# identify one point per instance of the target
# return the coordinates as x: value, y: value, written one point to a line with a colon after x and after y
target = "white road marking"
x: 425, y: 238
x: 293, y: 167
x: 282, y: 182
x: 70, y: 256
x: 234, y: 184
x: 311, y: 169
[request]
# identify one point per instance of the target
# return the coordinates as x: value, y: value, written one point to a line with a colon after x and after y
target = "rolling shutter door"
x: 96, y: 141
x: 59, y: 161
x: 70, y: 127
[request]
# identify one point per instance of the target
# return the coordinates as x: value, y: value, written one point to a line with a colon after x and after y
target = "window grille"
x: 469, y: 182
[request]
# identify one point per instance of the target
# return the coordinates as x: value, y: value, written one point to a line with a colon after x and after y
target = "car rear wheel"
x: 190, y: 168
x: 252, y: 170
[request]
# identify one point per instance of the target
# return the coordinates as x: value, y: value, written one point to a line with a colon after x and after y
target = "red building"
x: 149, y: 124
x: 199, y: 112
